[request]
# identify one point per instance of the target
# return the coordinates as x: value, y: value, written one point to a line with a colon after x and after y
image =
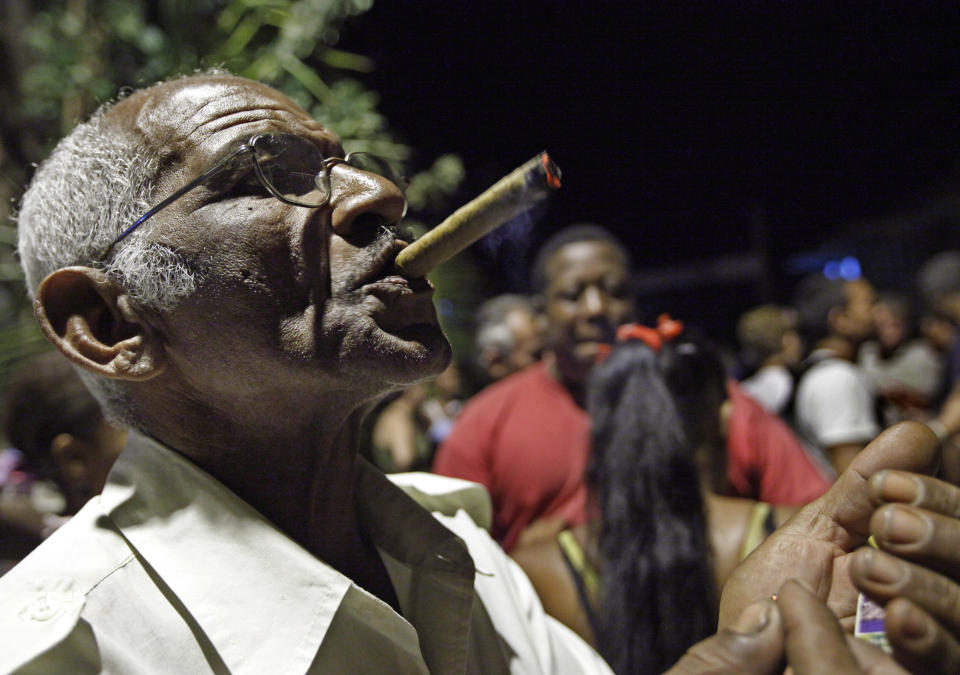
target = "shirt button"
x: 52, y: 597
x: 43, y: 608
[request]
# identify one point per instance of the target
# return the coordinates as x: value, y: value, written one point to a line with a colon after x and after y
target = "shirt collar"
x: 221, y: 559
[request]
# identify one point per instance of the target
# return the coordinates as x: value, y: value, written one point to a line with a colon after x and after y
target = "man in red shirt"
x: 527, y: 437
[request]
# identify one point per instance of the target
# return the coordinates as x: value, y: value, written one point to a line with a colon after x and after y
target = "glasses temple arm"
x: 199, y: 180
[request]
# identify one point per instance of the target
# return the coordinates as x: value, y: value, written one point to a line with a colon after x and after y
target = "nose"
x: 355, y: 193
x: 594, y: 302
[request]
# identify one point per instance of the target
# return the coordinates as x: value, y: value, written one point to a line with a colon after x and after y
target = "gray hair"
x: 939, y: 276
x: 492, y: 331
x: 96, y: 183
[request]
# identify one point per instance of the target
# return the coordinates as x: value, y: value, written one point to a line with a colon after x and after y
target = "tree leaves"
x: 63, y: 58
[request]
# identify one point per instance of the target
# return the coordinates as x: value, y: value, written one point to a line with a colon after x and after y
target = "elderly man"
x: 239, y: 323
x: 508, y: 338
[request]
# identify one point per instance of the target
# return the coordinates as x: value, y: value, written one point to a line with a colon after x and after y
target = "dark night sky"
x: 674, y: 121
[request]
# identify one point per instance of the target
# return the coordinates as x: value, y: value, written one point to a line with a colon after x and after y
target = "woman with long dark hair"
x: 641, y: 580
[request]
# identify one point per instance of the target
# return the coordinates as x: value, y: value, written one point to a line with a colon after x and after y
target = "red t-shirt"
x: 527, y: 441
x: 765, y: 459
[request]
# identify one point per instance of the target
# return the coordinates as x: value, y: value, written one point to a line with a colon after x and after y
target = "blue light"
x: 831, y: 270
x: 850, y: 268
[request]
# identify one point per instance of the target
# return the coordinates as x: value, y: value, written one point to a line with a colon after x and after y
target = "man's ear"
x: 89, y: 318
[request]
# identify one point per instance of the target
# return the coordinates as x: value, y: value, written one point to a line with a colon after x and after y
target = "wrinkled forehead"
x: 207, y: 113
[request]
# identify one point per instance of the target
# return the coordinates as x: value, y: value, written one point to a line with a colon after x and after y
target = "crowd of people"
x: 608, y: 501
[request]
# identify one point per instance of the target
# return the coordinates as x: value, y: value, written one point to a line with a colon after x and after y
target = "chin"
x: 411, y: 355
x: 584, y: 355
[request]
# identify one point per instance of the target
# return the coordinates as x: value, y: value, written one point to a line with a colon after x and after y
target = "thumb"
x: 754, y: 645
x: 907, y: 446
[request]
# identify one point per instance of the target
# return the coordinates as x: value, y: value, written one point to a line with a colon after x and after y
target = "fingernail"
x: 753, y: 619
x: 915, y: 625
x: 895, y: 487
x: 883, y: 569
x: 903, y: 527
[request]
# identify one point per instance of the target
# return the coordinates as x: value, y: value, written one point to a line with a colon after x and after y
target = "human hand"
x: 816, y: 644
x: 799, y: 630
x: 916, y: 521
x: 815, y: 545
x: 752, y: 645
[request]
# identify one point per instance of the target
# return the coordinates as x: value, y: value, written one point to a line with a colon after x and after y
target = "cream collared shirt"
x: 170, y: 572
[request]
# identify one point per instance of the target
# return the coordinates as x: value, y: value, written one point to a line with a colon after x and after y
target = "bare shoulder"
x: 727, y: 519
x: 543, y: 562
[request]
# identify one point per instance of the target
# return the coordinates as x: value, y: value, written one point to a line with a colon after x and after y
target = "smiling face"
x: 291, y: 299
x: 586, y: 299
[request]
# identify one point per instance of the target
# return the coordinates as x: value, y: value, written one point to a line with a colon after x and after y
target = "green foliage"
x: 66, y: 57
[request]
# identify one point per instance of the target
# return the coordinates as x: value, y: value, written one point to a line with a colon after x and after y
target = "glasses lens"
x: 293, y: 166
x: 380, y: 166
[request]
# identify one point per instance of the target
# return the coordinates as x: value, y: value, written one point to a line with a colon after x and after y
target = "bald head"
x: 180, y: 114
x: 110, y: 170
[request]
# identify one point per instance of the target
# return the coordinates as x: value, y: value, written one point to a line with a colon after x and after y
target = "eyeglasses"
x: 289, y: 167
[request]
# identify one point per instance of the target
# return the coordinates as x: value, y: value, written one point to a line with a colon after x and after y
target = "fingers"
x: 754, y: 646
x: 908, y: 446
x: 815, y: 642
x: 918, y: 519
x: 918, y: 641
x: 900, y: 487
x: 918, y: 535
x: 872, y: 659
x: 922, y: 610
x: 884, y: 577
x: 811, y: 545
x: 800, y: 626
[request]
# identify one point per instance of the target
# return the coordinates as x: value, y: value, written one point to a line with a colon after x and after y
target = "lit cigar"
x: 510, y: 196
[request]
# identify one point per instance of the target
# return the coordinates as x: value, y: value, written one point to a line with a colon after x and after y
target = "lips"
x: 394, y: 287
x: 383, y: 280
x: 382, y: 268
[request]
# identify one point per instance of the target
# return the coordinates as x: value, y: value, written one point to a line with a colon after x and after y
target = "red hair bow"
x: 667, y: 330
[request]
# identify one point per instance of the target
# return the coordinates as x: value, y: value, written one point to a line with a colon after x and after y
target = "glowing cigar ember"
x: 510, y: 196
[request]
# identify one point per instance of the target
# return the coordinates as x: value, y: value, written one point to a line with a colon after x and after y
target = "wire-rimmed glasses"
x: 289, y: 167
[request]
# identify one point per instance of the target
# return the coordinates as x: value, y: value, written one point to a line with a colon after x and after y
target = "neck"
x: 291, y: 458
x: 842, y: 347
x: 564, y: 373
